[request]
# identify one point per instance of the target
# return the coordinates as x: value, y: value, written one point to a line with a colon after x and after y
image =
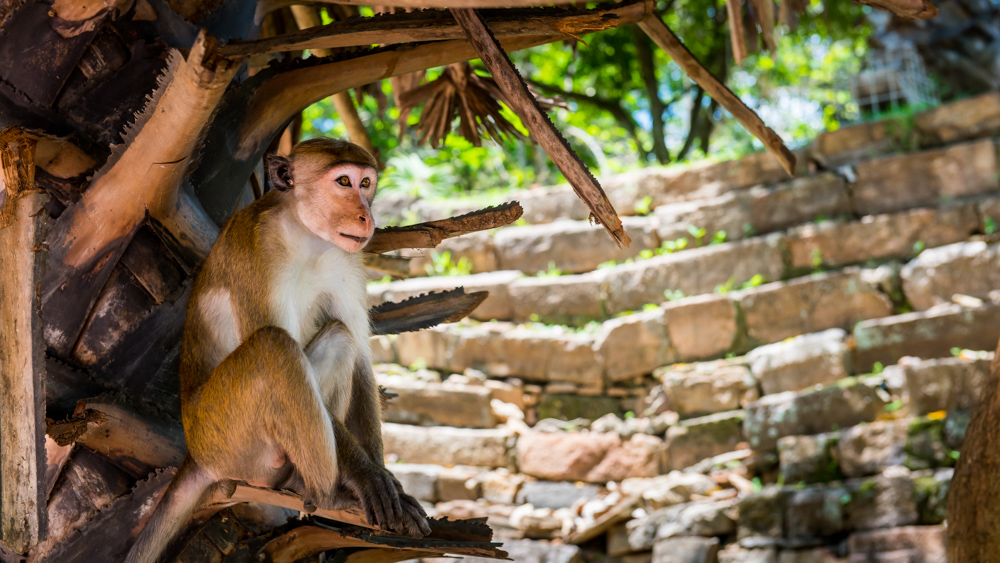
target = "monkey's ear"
x: 279, y: 172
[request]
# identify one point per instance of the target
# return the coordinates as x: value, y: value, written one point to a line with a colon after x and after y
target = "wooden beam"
x: 23, y: 489
x: 431, y: 233
x: 429, y: 25
x: 278, y: 99
x: 521, y: 101
x: 665, y: 38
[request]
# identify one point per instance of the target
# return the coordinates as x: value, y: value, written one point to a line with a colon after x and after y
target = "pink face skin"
x: 337, y: 206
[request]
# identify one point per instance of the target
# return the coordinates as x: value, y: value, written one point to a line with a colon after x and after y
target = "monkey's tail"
x: 179, y: 502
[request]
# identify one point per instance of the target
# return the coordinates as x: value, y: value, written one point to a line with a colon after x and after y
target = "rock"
x: 883, y: 501
x: 800, y: 362
x: 568, y: 456
x: 813, y: 513
x: 701, y: 327
x: 529, y: 551
x: 573, y: 299
x: 879, y: 237
x: 458, y: 483
x: 505, y: 391
x: 686, y: 550
x: 693, y: 272
x: 707, y: 387
x: 834, y: 407
x: 967, y: 268
x: 639, y: 456
x: 535, y: 523
x: 925, y: 334
x: 570, y: 407
x: 501, y: 486
x: 459, y: 509
x: 544, y: 205
x: 419, y: 480
x: 441, y: 405
x: 555, y: 494
x: 978, y: 116
x: 476, y: 248
x: 868, y: 449
x: 500, y: 351
x: 633, y: 345
x: 382, y: 352
x: 857, y: 142
x: 930, y: 492
x: 924, y: 178
x: 822, y: 301
x: 675, y: 487
x: 762, y: 517
x: 945, y: 384
x: 736, y: 554
x: 809, y: 459
x: 923, y: 544
x: 496, y: 306
x: 569, y: 246
x: 695, y: 439
x: 689, y: 519
x: 446, y: 446
x: 815, y: 555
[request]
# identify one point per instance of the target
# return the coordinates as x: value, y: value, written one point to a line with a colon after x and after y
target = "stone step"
x: 937, y: 274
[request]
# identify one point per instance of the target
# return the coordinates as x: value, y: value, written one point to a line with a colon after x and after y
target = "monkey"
x: 277, y: 386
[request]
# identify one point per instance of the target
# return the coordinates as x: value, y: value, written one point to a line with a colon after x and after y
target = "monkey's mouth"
x: 354, y: 238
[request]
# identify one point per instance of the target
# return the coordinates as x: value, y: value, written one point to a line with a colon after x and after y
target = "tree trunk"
x: 647, y: 69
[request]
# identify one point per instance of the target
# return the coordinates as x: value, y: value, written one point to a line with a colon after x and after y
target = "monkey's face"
x: 336, y: 205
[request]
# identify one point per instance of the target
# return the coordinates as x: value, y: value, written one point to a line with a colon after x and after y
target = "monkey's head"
x: 333, y: 183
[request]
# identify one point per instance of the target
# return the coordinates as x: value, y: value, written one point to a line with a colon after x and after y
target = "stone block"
x: 458, y: 483
x: 970, y: 118
x: 476, y: 248
x: 946, y: 384
x: 676, y: 487
x: 501, y: 486
x: 967, y: 268
x: 496, y: 306
x: 419, y: 480
x: 563, y: 456
x: 925, y: 178
x: 930, y: 491
x: 815, y: 555
x: 382, y: 351
x: 695, y: 439
x: 555, y: 494
x: 532, y: 551
x: 809, y: 459
x: 432, y: 347
x: 571, y: 406
x: 801, y: 361
x: 686, y: 550
x: 707, y: 387
x: 693, y: 272
x: 543, y: 356
x: 706, y: 519
x: 879, y: 237
x: 544, y: 205
x: 834, y: 407
x: 431, y: 404
x: 736, y: 554
x: 701, y: 327
x: 869, y: 448
x: 815, y: 512
x: 777, y: 311
x: 883, y: 501
x: 639, y: 456
x: 569, y: 246
x: 571, y: 299
x: 762, y: 516
x: 858, y: 142
x: 925, y: 334
x: 633, y: 345
x: 922, y: 544
x: 447, y: 446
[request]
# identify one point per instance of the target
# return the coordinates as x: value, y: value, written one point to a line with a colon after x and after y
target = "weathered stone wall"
x: 677, y: 413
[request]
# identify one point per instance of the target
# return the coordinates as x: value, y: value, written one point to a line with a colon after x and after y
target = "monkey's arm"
x: 364, y: 417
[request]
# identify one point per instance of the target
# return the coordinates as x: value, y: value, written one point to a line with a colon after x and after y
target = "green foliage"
x: 642, y: 207
x: 698, y: 233
x: 918, y: 247
x: 442, y: 265
x: 730, y: 285
x: 551, y: 272
x: 990, y: 224
x: 673, y: 294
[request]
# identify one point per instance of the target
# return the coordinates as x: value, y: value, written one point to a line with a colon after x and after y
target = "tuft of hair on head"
x: 334, y: 151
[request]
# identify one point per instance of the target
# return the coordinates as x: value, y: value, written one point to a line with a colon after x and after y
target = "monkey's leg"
x: 335, y: 358
x: 261, y: 408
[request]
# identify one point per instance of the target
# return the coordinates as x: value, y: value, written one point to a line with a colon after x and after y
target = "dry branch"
x: 273, y: 104
x: 526, y: 107
x: 425, y: 311
x: 396, y: 266
x: 431, y: 233
x: 909, y: 9
x: 665, y: 38
x: 764, y: 10
x: 145, y: 178
x: 265, y: 7
x: 737, y: 36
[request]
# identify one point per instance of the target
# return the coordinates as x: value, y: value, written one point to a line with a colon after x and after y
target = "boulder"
x: 800, y: 362
x: 707, y: 387
x: 967, y: 268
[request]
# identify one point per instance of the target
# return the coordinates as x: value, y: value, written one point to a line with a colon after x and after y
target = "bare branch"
x: 431, y: 233
x: 909, y: 9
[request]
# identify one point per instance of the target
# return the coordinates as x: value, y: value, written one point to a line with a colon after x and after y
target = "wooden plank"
x: 431, y: 233
x: 665, y: 38
x: 521, y: 101
x: 425, y: 25
x: 22, y: 359
x: 425, y: 311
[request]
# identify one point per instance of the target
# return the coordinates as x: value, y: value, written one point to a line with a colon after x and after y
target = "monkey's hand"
x: 385, y: 504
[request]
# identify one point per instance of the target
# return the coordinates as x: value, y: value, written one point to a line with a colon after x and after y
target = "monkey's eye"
x: 344, y: 181
x: 366, y: 183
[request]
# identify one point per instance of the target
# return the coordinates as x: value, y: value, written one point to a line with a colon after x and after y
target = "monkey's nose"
x: 362, y: 217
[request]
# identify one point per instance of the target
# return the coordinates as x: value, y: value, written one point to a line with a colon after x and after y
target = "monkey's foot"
x: 387, y: 506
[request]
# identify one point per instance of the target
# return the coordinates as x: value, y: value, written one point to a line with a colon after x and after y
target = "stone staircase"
x: 793, y: 391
